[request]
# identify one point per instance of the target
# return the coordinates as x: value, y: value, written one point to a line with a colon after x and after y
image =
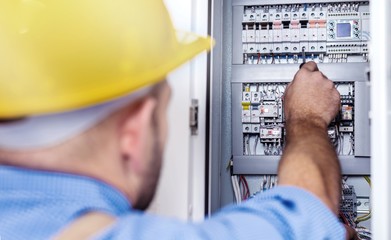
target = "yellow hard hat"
x: 59, y: 55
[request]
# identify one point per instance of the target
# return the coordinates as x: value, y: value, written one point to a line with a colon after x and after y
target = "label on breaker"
x: 269, y: 98
x: 268, y: 110
x: 271, y: 133
x: 345, y: 129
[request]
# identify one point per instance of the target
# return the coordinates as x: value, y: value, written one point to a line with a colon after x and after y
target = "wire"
x: 273, y: 59
x: 236, y: 188
x: 368, y: 215
x: 255, y: 144
x: 268, y: 181
x: 368, y: 179
x: 363, y: 233
x: 247, y: 150
x: 246, y: 189
x: 242, y: 187
x: 263, y: 183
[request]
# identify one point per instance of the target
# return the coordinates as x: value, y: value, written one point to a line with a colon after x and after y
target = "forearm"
x: 310, y: 162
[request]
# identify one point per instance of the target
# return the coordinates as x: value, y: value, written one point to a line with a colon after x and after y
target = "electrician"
x: 83, y: 105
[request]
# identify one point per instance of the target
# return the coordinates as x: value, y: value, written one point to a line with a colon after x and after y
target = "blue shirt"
x: 37, y: 204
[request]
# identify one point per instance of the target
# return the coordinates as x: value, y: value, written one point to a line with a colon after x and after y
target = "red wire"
x: 241, y: 184
x: 245, y: 184
x: 248, y: 189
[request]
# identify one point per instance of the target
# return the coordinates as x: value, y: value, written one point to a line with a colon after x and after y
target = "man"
x: 83, y: 105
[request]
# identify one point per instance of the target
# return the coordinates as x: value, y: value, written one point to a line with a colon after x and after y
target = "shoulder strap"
x: 85, y: 227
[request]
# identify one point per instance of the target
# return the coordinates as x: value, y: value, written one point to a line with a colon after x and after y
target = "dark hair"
x: 11, y: 120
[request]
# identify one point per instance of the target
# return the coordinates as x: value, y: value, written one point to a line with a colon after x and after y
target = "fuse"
x: 255, y: 114
x: 247, y: 128
x: 246, y: 116
x: 246, y: 112
x: 286, y: 35
x: 255, y: 97
x: 313, y: 34
x: 264, y: 35
x: 304, y: 34
x: 246, y: 97
x: 251, y: 34
x: 254, y: 128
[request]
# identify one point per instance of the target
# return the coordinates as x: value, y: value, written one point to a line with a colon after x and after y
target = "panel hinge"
x: 194, y: 117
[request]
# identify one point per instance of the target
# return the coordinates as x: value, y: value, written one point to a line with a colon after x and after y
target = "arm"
x: 309, y: 160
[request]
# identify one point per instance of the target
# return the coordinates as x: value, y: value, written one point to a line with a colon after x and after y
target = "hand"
x: 351, y: 234
x: 311, y: 97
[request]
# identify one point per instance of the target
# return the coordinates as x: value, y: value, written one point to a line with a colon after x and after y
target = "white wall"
x: 380, y: 119
x: 181, y: 188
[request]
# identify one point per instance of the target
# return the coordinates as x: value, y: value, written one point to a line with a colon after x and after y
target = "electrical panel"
x: 262, y: 49
x: 326, y: 32
x: 263, y: 119
x: 270, y: 40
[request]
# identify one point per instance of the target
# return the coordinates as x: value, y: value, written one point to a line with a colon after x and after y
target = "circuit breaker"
x: 326, y: 32
x: 270, y: 40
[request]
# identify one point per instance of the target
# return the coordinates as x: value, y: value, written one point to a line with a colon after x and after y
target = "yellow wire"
x: 368, y: 215
x: 368, y: 179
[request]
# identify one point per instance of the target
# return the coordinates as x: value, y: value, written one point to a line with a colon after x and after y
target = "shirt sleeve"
x: 280, y: 213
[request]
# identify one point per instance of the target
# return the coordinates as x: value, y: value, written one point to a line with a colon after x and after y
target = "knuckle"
x: 317, y: 75
x: 310, y: 66
x: 330, y: 84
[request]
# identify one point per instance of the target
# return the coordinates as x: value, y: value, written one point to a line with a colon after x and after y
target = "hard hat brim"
x: 189, y: 45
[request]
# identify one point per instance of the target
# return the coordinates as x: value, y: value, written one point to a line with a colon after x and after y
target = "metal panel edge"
x: 237, y: 135
x: 274, y: 2
x: 269, y: 73
x: 250, y: 165
x: 215, y: 109
x: 361, y: 123
x: 237, y: 47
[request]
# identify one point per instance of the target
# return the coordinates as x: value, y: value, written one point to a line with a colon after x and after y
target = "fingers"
x: 311, y: 95
x: 310, y: 66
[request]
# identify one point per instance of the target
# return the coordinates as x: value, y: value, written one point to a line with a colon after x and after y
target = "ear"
x: 136, y: 132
